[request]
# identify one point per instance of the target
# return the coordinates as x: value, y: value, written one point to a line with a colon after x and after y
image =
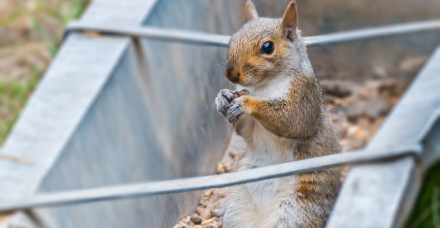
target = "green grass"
x: 60, y: 11
x: 13, y: 96
x: 426, y: 212
x: 15, y: 91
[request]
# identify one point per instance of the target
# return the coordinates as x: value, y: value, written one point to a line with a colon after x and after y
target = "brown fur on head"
x: 249, y: 64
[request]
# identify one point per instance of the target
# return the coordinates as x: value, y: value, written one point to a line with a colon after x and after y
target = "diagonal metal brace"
x: 223, y: 41
x: 213, y: 181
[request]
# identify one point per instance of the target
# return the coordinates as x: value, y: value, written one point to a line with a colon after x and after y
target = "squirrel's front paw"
x: 235, y: 111
x: 223, y: 100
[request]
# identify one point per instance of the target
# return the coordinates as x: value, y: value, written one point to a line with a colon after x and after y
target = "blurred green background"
x: 30, y: 34
x: 426, y: 212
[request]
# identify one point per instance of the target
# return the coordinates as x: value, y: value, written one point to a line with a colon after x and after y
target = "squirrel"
x: 278, y: 110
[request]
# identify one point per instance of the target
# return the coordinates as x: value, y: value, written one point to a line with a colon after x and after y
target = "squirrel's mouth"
x: 239, y: 80
x: 243, y: 78
x: 234, y: 79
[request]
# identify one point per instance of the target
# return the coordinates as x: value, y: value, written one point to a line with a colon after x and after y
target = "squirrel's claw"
x: 223, y: 100
x: 229, y: 105
x: 234, y: 112
x: 228, y: 94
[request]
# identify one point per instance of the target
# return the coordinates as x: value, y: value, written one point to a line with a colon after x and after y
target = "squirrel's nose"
x: 232, y: 75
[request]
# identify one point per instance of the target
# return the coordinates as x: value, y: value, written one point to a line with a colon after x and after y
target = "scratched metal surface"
x: 154, y: 119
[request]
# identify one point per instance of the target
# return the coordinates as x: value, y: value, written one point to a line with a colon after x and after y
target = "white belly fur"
x: 258, y: 204
x: 276, y: 88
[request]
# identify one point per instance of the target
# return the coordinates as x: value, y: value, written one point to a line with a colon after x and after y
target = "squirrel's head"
x: 265, y: 48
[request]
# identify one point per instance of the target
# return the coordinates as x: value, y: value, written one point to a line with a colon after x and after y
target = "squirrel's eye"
x: 267, y: 48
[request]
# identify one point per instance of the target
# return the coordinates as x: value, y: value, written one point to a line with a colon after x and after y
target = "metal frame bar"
x: 223, y: 41
x: 213, y: 181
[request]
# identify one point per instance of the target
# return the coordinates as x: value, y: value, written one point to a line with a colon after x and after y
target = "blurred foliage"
x: 426, y: 212
x: 60, y: 11
x: 46, y: 20
x: 13, y: 96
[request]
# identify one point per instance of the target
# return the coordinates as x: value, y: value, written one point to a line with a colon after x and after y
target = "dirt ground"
x: 357, y: 110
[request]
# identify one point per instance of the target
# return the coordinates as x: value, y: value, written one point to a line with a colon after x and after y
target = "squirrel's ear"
x: 290, y: 16
x: 250, y: 12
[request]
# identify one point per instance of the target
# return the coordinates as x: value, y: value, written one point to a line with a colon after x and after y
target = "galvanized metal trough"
x: 134, y: 104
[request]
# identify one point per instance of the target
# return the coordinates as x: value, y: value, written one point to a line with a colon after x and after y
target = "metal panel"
x: 146, y: 125
x: 381, y: 195
x: 355, y: 61
x: 52, y: 114
x: 154, y: 119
